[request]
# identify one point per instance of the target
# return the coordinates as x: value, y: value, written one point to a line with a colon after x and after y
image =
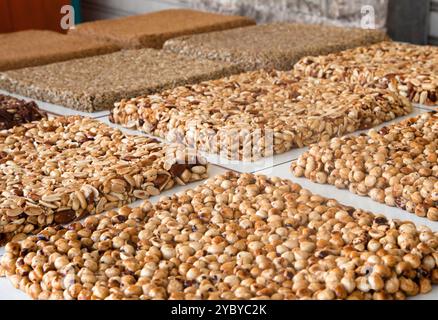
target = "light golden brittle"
x: 58, y: 170
x: 234, y: 237
x: 407, y: 69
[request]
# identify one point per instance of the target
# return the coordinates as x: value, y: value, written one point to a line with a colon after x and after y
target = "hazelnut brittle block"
x: 151, y: 30
x: 407, y: 69
x: 234, y: 237
x: 58, y: 170
x: 397, y: 165
x: 262, y: 113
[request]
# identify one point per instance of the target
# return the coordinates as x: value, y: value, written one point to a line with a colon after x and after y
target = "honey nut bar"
x: 396, y: 165
x: 259, y: 113
x: 58, y: 170
x: 234, y: 237
x: 96, y: 83
x: 271, y: 46
x: 407, y: 69
x: 151, y: 30
x: 14, y: 112
x: 39, y: 47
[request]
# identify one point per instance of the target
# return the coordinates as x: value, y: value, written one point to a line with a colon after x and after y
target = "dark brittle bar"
x: 14, y: 112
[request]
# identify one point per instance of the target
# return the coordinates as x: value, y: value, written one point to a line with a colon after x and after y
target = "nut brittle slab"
x: 234, y: 237
x: 396, y: 165
x: 411, y: 70
x: 96, y: 83
x: 58, y: 170
x: 39, y: 47
x: 271, y: 46
x: 262, y: 113
x: 14, y: 112
x: 151, y: 30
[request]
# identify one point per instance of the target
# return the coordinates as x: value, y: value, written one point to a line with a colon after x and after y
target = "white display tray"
x: 347, y: 198
x: 59, y: 110
x: 264, y: 163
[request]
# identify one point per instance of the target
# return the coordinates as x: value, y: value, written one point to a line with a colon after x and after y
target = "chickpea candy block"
x: 396, y: 165
x: 407, y: 69
x: 234, y: 237
x: 255, y: 114
x: 59, y: 170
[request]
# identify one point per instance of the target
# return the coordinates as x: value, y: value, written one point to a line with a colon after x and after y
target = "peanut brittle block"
x: 234, y: 237
x: 14, y: 112
x: 96, y: 83
x: 396, y: 165
x: 151, y: 30
x: 260, y: 113
x: 410, y: 70
x: 58, y: 170
x: 271, y: 46
x: 39, y: 47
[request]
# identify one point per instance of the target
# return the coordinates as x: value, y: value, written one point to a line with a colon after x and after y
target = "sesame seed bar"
x: 407, y: 69
x: 260, y: 113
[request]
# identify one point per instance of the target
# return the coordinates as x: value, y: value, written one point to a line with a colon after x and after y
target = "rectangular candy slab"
x: 55, y: 171
x: 407, y: 69
x: 153, y: 29
x: 96, y: 83
x: 271, y: 46
x: 14, y: 112
x: 396, y: 165
x: 37, y: 47
x: 235, y: 237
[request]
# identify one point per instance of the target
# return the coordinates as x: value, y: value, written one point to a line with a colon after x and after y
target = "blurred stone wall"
x: 333, y: 12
